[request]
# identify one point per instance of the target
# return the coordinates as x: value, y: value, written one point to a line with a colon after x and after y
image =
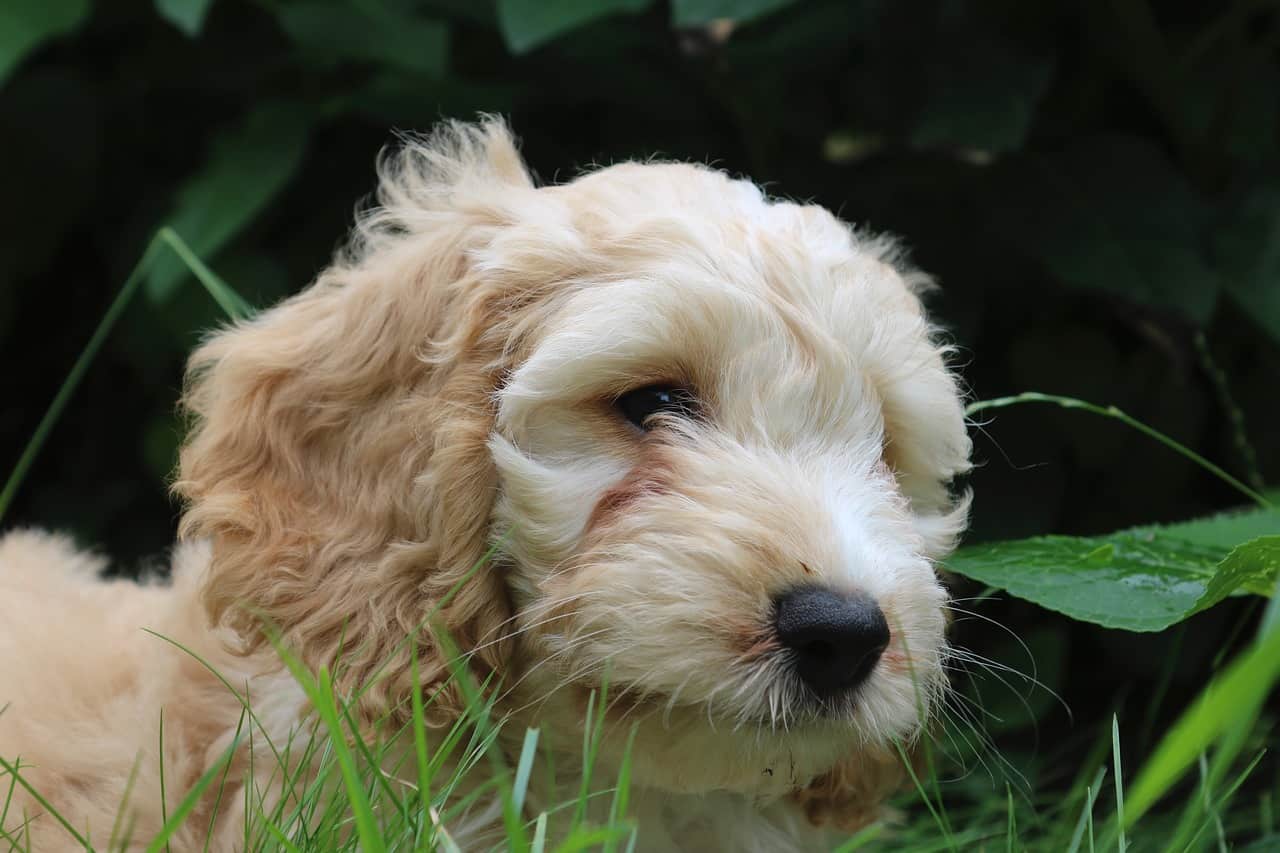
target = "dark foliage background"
x: 1096, y: 186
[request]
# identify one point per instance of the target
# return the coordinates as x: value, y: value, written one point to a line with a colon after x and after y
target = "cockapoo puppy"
x: 649, y: 427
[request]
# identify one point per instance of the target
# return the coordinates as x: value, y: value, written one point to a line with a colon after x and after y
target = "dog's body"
x: 707, y: 436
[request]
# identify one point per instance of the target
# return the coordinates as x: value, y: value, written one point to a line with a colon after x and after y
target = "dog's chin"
x: 699, y: 748
x: 708, y: 744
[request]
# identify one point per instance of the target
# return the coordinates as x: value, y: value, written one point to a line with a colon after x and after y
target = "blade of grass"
x: 1117, y: 414
x: 861, y: 839
x: 1230, y: 744
x: 474, y: 696
x: 14, y: 843
x: 164, y: 801
x: 1213, y: 814
x: 1089, y: 814
x: 320, y: 691
x: 1095, y: 760
x: 241, y: 698
x: 1121, y: 842
x: 418, y: 722
x: 592, y: 736
x: 161, y: 840
x: 924, y: 795
x: 1011, y: 831
x: 523, y: 768
x: 249, y: 785
x: 370, y: 759
x: 233, y: 304
x: 1086, y: 814
x: 8, y: 797
x: 622, y: 791
x: 44, y: 804
x: 445, y: 839
x: 585, y: 838
x: 114, y: 837
x: 222, y: 784
x: 282, y: 839
x: 289, y: 786
x: 539, y: 834
x: 927, y: 745
x: 1215, y: 808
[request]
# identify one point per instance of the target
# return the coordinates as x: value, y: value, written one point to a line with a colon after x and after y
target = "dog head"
x: 707, y: 436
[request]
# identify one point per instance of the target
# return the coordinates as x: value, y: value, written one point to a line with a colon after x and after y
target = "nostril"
x: 835, y: 638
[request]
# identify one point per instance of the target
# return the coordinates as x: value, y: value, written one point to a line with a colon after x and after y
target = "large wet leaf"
x: 1138, y: 580
x: 1224, y: 530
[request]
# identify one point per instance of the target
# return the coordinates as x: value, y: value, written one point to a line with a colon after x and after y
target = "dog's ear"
x: 337, y: 457
x: 849, y: 796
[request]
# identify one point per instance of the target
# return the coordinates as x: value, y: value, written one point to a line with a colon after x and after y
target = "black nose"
x: 836, y: 637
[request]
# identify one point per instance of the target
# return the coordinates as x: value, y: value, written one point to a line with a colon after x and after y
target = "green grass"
x: 343, y: 791
x: 338, y: 789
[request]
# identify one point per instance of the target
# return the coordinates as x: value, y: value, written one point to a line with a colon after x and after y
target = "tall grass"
x: 333, y: 787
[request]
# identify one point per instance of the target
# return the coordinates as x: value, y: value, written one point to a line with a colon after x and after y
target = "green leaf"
x: 1133, y: 580
x: 368, y: 32
x: 247, y: 167
x: 1223, y: 530
x: 526, y: 24
x: 24, y: 24
x: 693, y: 13
x: 186, y: 15
x: 1111, y: 214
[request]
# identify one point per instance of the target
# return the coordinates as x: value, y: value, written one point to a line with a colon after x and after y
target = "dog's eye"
x: 640, y: 405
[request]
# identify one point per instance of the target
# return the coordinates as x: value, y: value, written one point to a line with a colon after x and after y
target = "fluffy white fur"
x: 447, y: 386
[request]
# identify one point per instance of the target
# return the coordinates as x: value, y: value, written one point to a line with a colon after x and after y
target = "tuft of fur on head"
x: 448, y: 386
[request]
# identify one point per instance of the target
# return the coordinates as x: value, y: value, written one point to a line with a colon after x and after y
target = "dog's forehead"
x: 686, y: 222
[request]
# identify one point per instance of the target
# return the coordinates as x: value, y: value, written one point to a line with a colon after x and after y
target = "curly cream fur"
x: 444, y: 389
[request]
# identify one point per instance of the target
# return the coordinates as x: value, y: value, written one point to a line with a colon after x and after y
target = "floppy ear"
x: 337, y: 459
x: 849, y: 796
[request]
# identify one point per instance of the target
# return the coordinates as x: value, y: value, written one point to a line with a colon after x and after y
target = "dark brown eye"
x: 640, y: 405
